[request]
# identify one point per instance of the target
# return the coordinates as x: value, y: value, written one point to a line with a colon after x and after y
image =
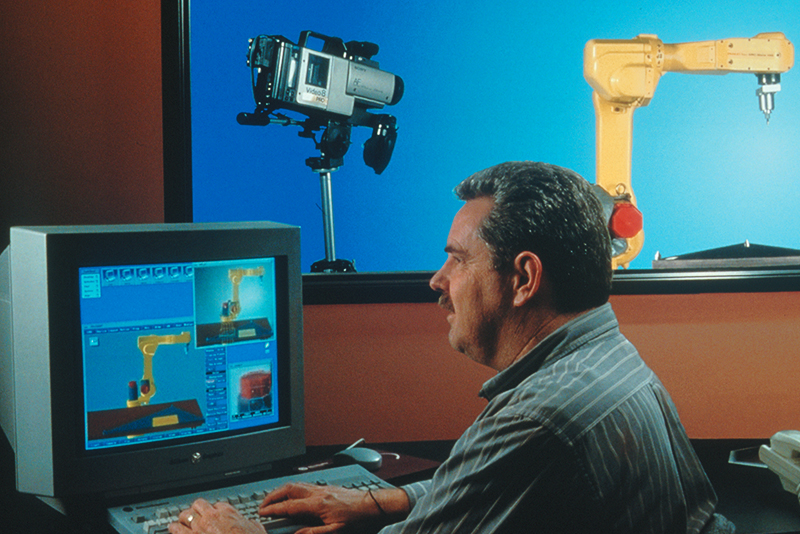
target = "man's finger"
x: 287, y: 491
x: 286, y: 508
x: 201, y: 506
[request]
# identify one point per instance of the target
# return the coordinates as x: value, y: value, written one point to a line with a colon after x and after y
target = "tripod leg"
x: 330, y: 264
x: 327, y: 215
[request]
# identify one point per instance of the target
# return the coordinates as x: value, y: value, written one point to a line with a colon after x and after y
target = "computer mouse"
x: 367, y: 458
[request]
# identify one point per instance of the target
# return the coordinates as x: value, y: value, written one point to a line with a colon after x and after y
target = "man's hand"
x: 220, y: 518
x: 335, y: 507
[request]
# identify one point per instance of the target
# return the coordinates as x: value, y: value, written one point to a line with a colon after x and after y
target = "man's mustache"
x: 446, y: 303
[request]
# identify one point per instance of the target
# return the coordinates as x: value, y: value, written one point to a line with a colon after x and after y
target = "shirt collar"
x: 556, y: 345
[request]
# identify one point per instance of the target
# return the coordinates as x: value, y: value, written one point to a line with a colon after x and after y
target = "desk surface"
x: 750, y: 497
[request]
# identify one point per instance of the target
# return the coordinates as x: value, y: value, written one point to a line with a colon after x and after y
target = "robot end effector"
x: 770, y: 84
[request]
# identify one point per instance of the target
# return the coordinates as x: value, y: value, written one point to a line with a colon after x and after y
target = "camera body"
x: 339, y: 82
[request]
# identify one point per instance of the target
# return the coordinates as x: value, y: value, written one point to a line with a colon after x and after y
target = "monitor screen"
x: 149, y: 357
x: 199, y: 362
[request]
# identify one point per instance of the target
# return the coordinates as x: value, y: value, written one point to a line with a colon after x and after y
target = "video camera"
x: 334, y: 88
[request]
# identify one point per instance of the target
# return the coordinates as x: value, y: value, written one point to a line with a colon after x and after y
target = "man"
x: 578, y: 434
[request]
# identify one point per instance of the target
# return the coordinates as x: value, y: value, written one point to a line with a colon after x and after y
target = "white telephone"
x: 783, y: 457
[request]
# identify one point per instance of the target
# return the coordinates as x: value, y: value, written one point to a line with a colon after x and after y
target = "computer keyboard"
x: 153, y: 517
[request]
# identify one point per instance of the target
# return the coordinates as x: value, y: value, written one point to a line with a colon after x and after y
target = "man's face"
x: 472, y: 290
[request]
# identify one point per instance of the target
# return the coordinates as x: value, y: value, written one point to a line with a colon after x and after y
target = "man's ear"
x: 527, y: 277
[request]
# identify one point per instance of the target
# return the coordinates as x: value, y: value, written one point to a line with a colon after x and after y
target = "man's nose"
x: 436, y: 281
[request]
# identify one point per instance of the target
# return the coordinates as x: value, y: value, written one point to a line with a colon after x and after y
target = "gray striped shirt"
x: 578, y: 436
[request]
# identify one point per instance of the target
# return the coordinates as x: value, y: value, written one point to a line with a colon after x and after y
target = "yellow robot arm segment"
x: 235, y: 276
x: 624, y: 75
x: 148, y: 346
x: 764, y: 53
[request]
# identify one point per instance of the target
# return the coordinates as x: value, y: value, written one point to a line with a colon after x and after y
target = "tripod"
x: 332, y: 147
x: 330, y: 264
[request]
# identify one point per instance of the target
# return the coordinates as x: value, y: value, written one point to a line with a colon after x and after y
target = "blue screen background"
x: 488, y: 82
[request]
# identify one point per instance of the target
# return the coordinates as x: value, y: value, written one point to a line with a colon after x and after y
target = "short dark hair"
x: 552, y: 212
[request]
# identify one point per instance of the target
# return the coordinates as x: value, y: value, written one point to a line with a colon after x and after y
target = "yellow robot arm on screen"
x: 233, y: 307
x: 147, y: 346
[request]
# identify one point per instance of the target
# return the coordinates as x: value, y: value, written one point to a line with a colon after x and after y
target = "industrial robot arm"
x: 231, y: 309
x: 148, y: 346
x: 624, y: 75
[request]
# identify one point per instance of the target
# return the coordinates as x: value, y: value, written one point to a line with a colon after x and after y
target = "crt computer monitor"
x: 142, y: 358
